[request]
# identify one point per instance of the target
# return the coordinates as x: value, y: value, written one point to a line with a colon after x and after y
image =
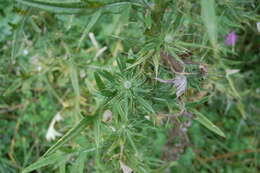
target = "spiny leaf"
x: 107, y: 75
x: 99, y: 82
x: 145, y: 104
x: 101, y: 86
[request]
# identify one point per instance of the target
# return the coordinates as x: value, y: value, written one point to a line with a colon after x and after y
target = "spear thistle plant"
x: 120, y: 113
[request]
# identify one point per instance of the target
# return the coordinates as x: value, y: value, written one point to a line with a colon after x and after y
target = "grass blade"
x: 209, y: 18
x: 92, y: 22
x: 59, y: 7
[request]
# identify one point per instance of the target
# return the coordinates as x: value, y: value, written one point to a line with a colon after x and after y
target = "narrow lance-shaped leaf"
x: 44, y: 161
x: 145, y: 104
x: 99, y: 82
x: 198, y: 102
x: 107, y: 75
x: 70, y: 134
x: 72, y: 7
x: 207, y: 123
x: 60, y: 7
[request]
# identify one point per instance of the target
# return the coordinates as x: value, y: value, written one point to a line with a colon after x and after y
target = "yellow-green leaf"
x: 207, y: 123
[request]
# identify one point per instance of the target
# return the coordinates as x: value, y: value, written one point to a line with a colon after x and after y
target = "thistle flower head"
x: 231, y: 39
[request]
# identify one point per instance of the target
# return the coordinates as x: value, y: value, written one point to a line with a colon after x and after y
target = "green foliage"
x: 102, y: 76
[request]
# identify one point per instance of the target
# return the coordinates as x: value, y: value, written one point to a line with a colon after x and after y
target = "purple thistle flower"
x: 231, y: 39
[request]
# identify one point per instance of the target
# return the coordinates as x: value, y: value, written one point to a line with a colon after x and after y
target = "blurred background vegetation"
x: 49, y: 64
